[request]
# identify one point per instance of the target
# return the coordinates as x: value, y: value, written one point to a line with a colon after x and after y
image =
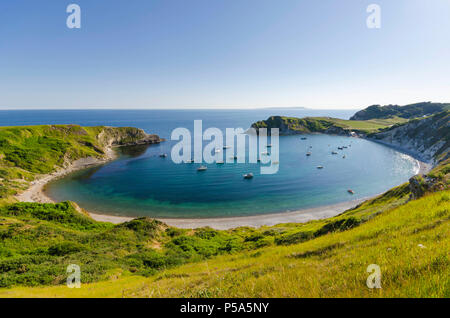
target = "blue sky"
x: 223, y: 53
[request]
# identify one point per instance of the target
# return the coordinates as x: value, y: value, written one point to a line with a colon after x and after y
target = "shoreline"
x: 226, y: 223
x: 36, y: 193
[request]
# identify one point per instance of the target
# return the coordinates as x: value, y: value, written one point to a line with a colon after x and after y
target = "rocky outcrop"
x: 420, y: 185
x: 427, y: 138
x: 294, y: 126
x: 125, y: 136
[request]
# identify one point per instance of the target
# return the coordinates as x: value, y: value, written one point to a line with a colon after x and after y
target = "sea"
x: 142, y: 183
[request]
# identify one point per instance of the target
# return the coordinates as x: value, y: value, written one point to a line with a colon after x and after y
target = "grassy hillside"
x: 40, y: 240
x: 293, y: 125
x: 407, y: 111
x: 410, y: 243
x: 28, y: 151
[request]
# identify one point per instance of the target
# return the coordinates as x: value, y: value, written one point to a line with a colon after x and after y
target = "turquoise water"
x: 140, y: 183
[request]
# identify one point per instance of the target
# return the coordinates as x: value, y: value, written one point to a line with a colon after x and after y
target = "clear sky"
x: 223, y: 53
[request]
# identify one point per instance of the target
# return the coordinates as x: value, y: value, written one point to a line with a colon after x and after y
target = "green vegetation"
x: 410, y: 242
x: 32, y: 150
x: 40, y: 240
x: 290, y: 125
x: 407, y: 111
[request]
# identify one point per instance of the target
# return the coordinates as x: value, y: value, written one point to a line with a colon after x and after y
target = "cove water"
x: 141, y: 183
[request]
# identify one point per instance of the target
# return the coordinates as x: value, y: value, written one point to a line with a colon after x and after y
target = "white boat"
x: 190, y: 161
x: 248, y: 175
x: 202, y: 168
x: 319, y: 167
x: 217, y: 150
x: 269, y: 145
x: 308, y: 154
x: 163, y: 155
x: 226, y: 147
x: 220, y: 162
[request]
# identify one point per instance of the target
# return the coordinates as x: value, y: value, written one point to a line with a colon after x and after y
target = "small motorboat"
x: 319, y: 167
x: 163, y: 155
x: 303, y: 138
x: 258, y: 160
x: 220, y: 162
x: 202, y: 168
x: 248, y: 175
x: 343, y: 156
x: 350, y: 191
x: 334, y: 153
x: 269, y: 145
x: 189, y: 161
x: 308, y: 154
x: 226, y: 147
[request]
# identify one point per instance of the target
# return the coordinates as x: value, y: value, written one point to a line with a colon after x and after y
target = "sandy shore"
x: 300, y: 216
x: 35, y: 193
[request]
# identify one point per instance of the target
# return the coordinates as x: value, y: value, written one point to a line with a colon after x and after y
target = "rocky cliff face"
x: 428, y: 138
x: 125, y: 136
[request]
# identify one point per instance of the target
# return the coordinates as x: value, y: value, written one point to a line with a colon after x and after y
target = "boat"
x: 343, y: 156
x: 319, y: 167
x: 248, y: 175
x: 340, y: 148
x: 308, y: 154
x: 217, y: 150
x: 163, y: 155
x: 303, y: 138
x: 189, y: 161
x: 233, y: 157
x: 220, y: 162
x: 269, y: 145
x: 334, y: 153
x: 258, y: 160
x: 350, y: 191
x: 226, y: 147
x: 202, y: 168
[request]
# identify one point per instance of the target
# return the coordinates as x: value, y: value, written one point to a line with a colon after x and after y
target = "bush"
x: 65, y: 248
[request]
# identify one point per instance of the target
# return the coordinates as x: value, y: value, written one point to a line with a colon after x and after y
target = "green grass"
x: 324, y: 124
x: 409, y: 242
x: 28, y: 151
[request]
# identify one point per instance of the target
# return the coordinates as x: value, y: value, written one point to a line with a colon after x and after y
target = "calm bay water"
x: 140, y: 183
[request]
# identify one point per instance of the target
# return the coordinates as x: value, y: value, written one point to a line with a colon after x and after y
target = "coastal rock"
x: 427, y: 138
